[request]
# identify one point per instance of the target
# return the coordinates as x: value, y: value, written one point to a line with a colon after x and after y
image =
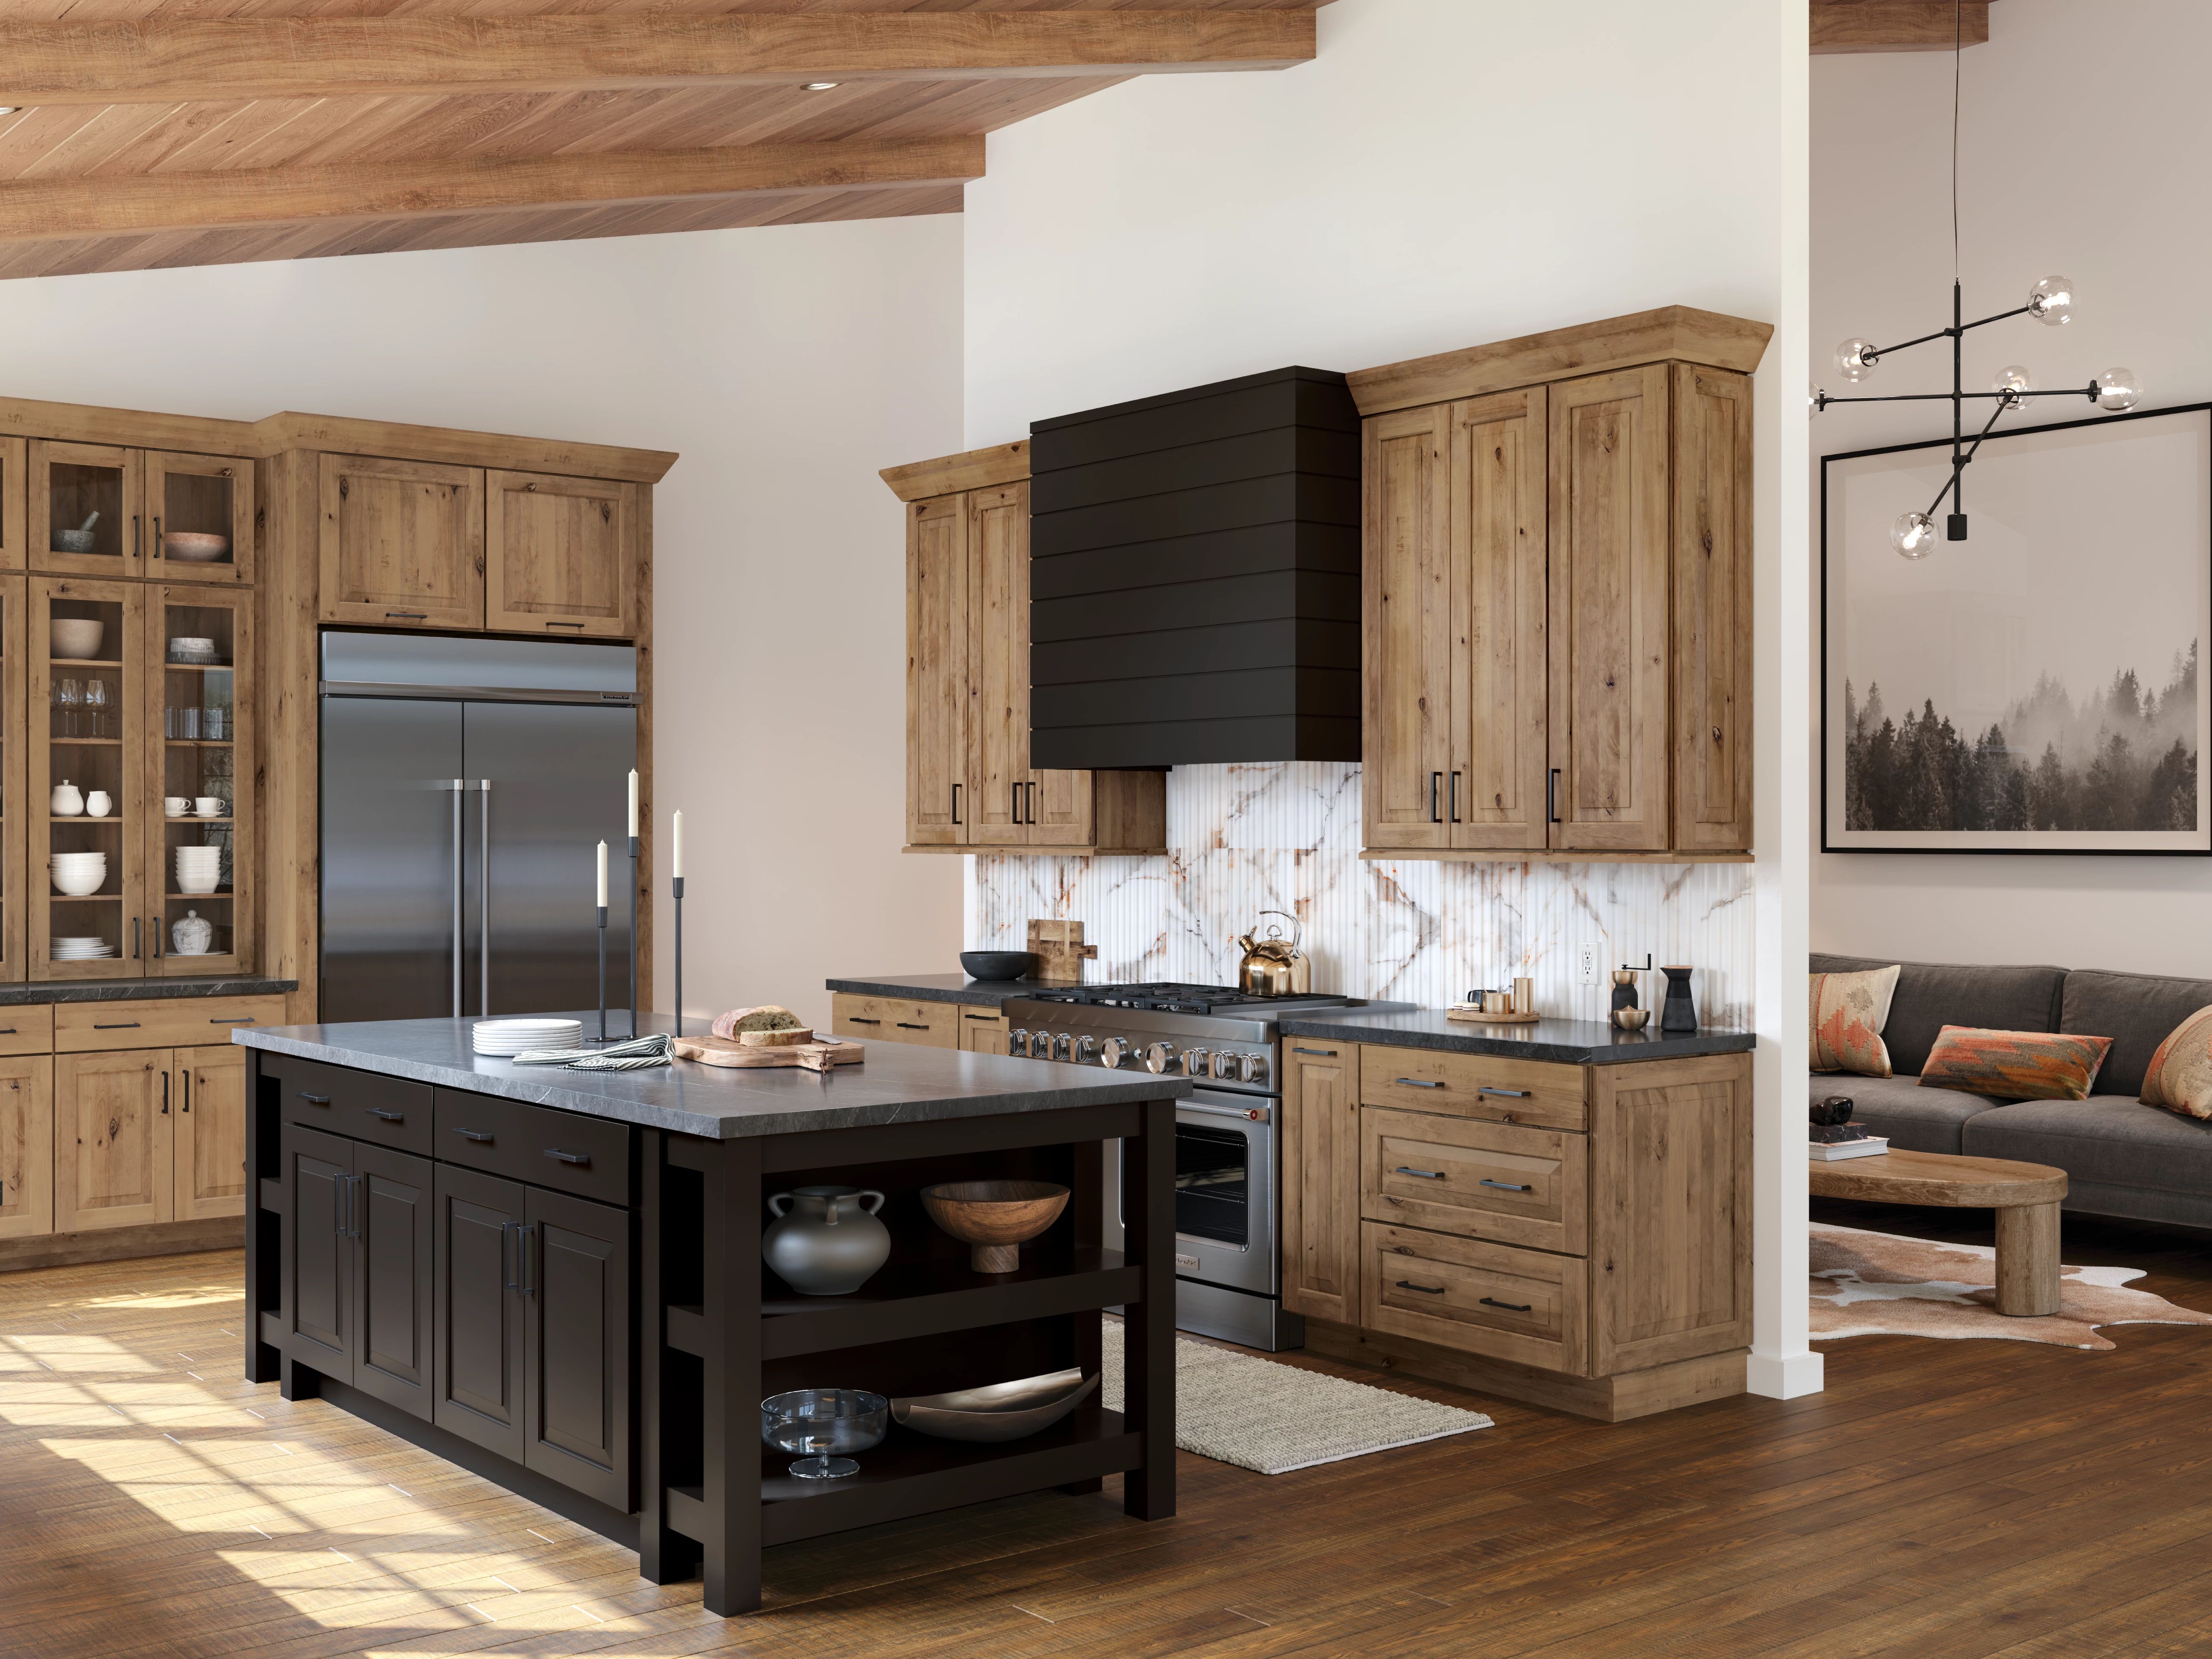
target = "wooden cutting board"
x: 726, y: 1051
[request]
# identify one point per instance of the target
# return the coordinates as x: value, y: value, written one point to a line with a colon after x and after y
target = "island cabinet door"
x: 316, y: 1294
x: 393, y: 1201
x: 575, y: 1272
x: 478, y: 1342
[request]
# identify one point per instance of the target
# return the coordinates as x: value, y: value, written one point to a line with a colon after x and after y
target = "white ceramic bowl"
x: 78, y: 882
x: 191, y: 642
x: 195, y: 545
x: 79, y: 861
x: 76, y: 636
x: 196, y: 883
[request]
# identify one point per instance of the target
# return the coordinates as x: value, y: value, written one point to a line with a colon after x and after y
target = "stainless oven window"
x: 1213, y: 1184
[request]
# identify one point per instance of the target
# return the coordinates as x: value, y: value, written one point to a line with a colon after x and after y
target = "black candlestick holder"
x: 603, y: 975
x: 633, y: 938
x: 676, y: 884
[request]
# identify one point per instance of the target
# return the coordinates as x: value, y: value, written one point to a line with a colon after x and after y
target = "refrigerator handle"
x: 457, y: 785
x: 484, y: 898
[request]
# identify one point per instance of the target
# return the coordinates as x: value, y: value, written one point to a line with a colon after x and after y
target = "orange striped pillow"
x: 2181, y: 1075
x: 2015, y: 1065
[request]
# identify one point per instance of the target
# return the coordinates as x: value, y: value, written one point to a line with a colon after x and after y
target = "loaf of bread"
x: 768, y: 1016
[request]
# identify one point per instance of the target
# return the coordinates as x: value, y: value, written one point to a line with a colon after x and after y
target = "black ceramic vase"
x: 1680, y: 1013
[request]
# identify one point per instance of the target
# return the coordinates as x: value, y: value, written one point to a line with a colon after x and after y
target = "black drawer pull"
x: 979, y: 1016
x: 1426, y: 1290
x: 1326, y: 1054
x: 7, y: 1030
x: 119, y: 1025
x: 389, y: 1117
x: 908, y: 1025
x: 1503, y: 1186
x: 315, y: 1100
x: 1510, y: 1094
x: 473, y: 1134
x: 1416, y: 1083
x: 854, y: 1020
x: 1510, y: 1307
x: 232, y: 1019
x: 558, y: 1155
x: 1425, y: 1174
x: 411, y: 615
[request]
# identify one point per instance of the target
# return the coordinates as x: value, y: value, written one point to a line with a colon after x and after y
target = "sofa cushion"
x: 2138, y: 1012
x: 2106, y: 1141
x: 1847, y: 1012
x: 1911, y: 1118
x: 2015, y: 1065
x: 1933, y: 994
x: 2181, y: 1075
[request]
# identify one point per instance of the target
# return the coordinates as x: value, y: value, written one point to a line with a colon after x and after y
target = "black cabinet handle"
x: 1510, y: 1307
x: 525, y: 1244
x: 854, y: 1020
x: 187, y: 1076
x: 165, y: 1094
x: 1425, y: 1174
x: 506, y: 1272
x: 1416, y: 1083
x: 1426, y: 1290
x: 232, y: 1019
x: 567, y: 624
x: 1435, y: 779
x: 992, y: 1016
x: 1503, y: 1186
x: 1455, y: 798
x: 908, y: 1025
x: 410, y: 616
x: 1014, y: 803
x: 157, y: 535
x: 338, y: 1204
x: 474, y: 1134
x: 315, y: 1100
x: 584, y: 1159
x: 1552, y: 796
x: 134, y: 939
x: 389, y: 1117
x: 119, y: 1025
x: 1509, y: 1094
x: 135, y: 548
x: 955, y: 803
x: 1032, y: 803
x: 7, y: 1030
x: 1326, y: 1054
x: 157, y: 939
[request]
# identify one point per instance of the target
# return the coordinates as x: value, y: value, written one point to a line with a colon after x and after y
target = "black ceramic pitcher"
x: 1680, y: 1013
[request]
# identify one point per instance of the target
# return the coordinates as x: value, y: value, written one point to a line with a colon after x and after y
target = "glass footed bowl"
x: 823, y: 1421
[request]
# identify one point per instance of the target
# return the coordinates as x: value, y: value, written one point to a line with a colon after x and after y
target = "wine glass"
x: 96, y: 706
x: 68, y: 697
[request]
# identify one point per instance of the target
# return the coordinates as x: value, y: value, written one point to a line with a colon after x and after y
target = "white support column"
x: 1782, y: 1365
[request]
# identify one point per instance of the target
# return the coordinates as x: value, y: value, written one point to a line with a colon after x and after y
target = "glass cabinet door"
x: 199, y: 513
x: 14, y: 912
x: 84, y: 510
x: 13, y: 486
x: 199, y: 788
x: 86, y: 769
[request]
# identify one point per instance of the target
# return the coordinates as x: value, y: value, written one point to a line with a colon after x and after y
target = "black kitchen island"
x: 554, y: 1278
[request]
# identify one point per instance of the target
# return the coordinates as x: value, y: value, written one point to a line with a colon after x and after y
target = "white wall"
x: 787, y: 365
x: 1448, y: 172
x: 2083, y: 145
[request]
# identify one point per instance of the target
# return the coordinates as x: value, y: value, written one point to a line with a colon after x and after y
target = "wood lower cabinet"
x: 27, y: 1145
x: 1320, y: 1137
x: 402, y: 543
x: 982, y: 1032
x: 561, y: 555
x: 210, y: 1156
x: 114, y: 1139
x: 896, y: 1019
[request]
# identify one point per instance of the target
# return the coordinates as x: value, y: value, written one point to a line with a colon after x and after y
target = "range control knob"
x: 1251, y: 1068
x: 1194, y: 1062
x: 1159, y: 1057
x: 1086, y: 1050
x: 1225, y: 1064
x: 1112, y: 1053
x: 1017, y: 1042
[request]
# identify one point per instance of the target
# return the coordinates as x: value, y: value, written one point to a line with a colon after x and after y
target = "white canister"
x: 193, y: 935
x: 68, y: 800
x: 97, y: 804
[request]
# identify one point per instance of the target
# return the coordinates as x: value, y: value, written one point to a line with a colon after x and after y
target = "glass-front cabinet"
x: 198, y: 787
x: 84, y: 790
x: 199, y: 513
x: 84, y: 509
x: 14, y: 909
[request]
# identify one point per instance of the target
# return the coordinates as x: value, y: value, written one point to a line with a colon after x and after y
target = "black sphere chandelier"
x: 2051, y: 302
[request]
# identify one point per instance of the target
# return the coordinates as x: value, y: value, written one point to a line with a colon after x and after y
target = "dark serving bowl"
x: 998, y: 964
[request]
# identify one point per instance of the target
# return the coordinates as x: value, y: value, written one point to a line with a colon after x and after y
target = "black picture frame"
x: 1827, y: 734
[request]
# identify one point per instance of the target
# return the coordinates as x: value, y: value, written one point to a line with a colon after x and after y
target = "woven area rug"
x: 1867, y: 1284
x: 1273, y: 1418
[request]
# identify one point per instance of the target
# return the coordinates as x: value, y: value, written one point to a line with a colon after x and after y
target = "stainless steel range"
x: 1228, y: 1160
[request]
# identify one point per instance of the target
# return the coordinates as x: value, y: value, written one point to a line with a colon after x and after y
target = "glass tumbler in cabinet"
x: 200, y: 744
x: 84, y: 778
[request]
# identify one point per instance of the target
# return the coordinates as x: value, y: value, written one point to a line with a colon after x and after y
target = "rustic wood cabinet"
x: 27, y: 1145
x: 199, y: 496
x: 209, y: 1087
x: 970, y: 784
x: 1558, y: 595
x: 562, y: 554
x: 402, y: 543
x: 1577, y: 1236
x: 114, y: 1139
x: 15, y: 477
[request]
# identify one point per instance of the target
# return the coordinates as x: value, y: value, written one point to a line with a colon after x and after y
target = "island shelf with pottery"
x: 557, y: 1280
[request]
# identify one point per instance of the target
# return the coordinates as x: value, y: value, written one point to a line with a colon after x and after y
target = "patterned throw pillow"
x: 1849, y: 1010
x: 2015, y: 1065
x: 2181, y: 1075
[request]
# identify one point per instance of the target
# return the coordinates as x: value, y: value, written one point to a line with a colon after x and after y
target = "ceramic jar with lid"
x: 191, y: 935
x: 68, y: 800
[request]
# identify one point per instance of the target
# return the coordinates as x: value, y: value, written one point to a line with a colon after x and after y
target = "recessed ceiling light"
x: 820, y: 86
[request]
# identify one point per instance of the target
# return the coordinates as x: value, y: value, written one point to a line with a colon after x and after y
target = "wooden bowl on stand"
x: 996, y: 1218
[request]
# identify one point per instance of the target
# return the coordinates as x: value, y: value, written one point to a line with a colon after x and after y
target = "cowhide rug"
x: 1869, y: 1283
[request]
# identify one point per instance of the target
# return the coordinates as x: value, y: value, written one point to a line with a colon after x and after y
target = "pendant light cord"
x: 1958, y: 56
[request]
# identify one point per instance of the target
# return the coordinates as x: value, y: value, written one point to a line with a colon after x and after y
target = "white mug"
x: 175, y: 805
x: 208, y: 806
x: 97, y: 804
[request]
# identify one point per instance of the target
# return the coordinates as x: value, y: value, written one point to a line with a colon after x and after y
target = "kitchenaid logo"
x: 1185, y: 1262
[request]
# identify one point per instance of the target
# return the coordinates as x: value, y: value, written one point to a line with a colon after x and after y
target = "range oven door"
x: 1226, y: 1173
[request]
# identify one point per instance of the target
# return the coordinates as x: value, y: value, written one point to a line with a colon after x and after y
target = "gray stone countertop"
x: 1568, y: 1042
x: 941, y: 987
x: 897, y: 1083
x: 131, y: 990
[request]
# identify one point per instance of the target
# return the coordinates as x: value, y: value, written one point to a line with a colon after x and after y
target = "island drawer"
x: 1533, y: 1092
x: 158, y: 1022
x: 896, y: 1019
x: 389, y: 1111
x: 586, y: 1156
x: 27, y: 1029
x: 1474, y: 1179
x: 1519, y: 1305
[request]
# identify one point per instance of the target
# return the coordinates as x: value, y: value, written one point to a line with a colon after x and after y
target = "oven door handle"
x: 1249, y: 1114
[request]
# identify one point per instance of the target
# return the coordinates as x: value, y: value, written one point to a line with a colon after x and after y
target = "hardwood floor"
x: 1941, y: 1499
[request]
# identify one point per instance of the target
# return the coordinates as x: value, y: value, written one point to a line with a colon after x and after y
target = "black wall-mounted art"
x: 1194, y: 577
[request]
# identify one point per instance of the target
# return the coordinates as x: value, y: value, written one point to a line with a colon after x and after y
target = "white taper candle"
x: 603, y: 875
x: 633, y: 803
x: 676, y: 862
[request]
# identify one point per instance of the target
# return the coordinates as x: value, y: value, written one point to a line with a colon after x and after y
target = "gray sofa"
x: 2124, y: 1158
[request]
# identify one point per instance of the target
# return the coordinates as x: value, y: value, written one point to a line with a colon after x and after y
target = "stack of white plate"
x: 505, y: 1038
x: 79, y: 873
x: 79, y: 949
x: 198, y: 869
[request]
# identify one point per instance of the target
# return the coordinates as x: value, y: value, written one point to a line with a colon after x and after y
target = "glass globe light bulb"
x: 1913, y: 535
x: 1812, y: 396
x: 2051, y: 301
x: 2119, y: 389
x: 1856, y: 358
x: 2015, y: 378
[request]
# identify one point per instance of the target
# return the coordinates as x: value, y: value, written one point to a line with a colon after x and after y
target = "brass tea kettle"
x: 1273, y: 966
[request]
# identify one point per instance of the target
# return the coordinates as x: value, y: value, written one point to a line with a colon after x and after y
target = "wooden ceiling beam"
x: 183, y: 59
x: 103, y: 204
x: 1897, y: 25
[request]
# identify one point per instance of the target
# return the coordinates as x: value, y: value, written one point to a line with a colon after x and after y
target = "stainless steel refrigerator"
x: 465, y: 784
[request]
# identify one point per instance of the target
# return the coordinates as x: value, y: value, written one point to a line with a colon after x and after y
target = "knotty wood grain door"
x: 1500, y: 717
x: 1319, y: 1134
x: 1712, y: 645
x: 207, y: 495
x: 402, y: 543
x: 477, y: 1341
x: 209, y: 1089
x: 575, y: 1274
x: 27, y: 1145
x: 15, y: 553
x: 999, y: 614
x: 14, y: 746
x: 68, y: 483
x: 114, y: 1135
x: 1407, y: 600
x: 393, y: 1289
x: 562, y: 554
x: 940, y: 800
x: 1610, y: 502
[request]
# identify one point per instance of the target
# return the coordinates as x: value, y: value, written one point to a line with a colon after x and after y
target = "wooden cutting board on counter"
x: 728, y: 1051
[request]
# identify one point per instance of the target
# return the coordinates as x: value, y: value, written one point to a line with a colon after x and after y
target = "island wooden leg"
x: 2028, y: 1259
x: 732, y: 1378
x: 665, y: 1556
x: 1148, y: 1377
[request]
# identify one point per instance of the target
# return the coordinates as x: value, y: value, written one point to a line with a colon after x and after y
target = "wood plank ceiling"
x: 153, y: 133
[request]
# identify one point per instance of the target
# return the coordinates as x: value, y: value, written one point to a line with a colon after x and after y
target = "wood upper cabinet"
x: 14, y: 746
x: 403, y: 542
x: 27, y: 1145
x: 940, y: 714
x: 209, y: 1089
x: 114, y: 1134
x: 1712, y: 654
x: 192, y: 498
x: 15, y: 553
x: 562, y: 554
x: 1321, y: 1179
x: 1406, y: 599
x: 72, y: 486
x: 998, y: 537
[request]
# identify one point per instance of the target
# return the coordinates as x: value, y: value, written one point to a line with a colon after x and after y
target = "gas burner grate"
x: 1177, y: 999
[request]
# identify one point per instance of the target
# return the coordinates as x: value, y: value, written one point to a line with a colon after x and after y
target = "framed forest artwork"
x: 2034, y: 688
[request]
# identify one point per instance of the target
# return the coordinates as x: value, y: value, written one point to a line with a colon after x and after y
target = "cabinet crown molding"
x: 1677, y: 333
x: 948, y: 475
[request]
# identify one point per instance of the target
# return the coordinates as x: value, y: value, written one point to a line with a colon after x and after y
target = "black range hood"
x: 1194, y: 577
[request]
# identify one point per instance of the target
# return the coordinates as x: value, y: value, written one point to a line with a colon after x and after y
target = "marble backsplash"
x: 1286, y: 836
